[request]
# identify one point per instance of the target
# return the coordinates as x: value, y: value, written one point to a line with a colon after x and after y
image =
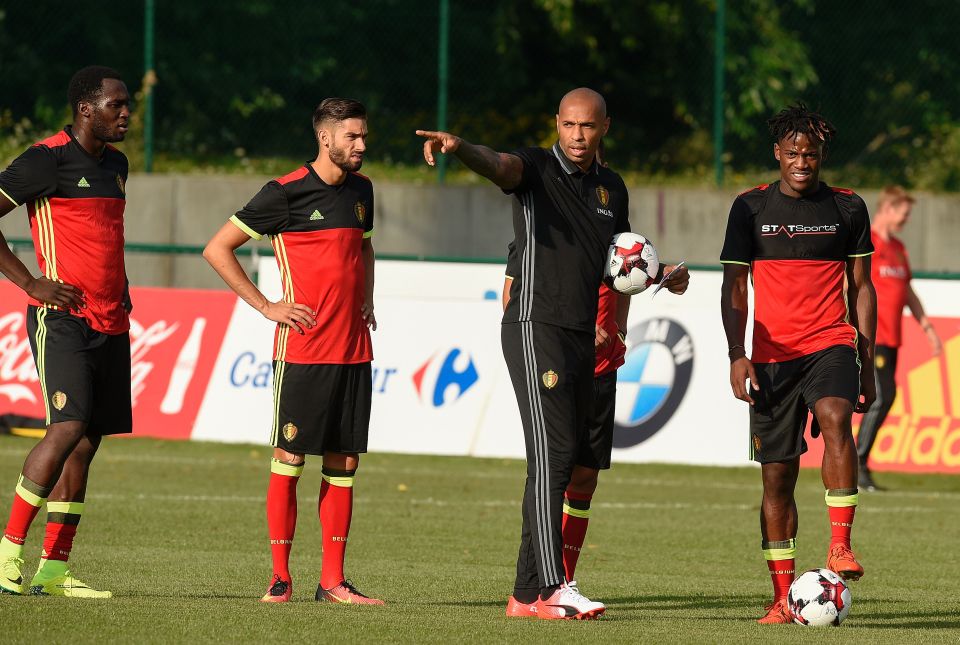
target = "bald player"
x: 566, y: 207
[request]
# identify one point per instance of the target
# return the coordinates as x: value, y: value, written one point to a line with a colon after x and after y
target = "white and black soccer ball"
x: 819, y: 598
x: 632, y: 264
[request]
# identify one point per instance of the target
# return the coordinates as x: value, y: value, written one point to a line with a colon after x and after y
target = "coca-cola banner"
x: 175, y: 336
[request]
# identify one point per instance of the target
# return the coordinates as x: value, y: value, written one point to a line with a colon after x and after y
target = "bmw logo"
x: 652, y: 381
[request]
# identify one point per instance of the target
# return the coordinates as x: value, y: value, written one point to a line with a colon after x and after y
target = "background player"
x: 73, y: 186
x: 596, y: 448
x: 801, y: 240
x: 891, y: 278
x: 567, y: 208
x: 320, y: 219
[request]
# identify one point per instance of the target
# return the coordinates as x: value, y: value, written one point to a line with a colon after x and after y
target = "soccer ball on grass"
x: 819, y: 598
x: 632, y: 264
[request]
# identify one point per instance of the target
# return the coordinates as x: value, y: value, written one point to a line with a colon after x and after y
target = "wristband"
x: 733, y: 350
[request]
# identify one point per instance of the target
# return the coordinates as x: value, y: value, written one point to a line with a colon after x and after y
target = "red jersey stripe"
x: 293, y: 176
x: 59, y: 139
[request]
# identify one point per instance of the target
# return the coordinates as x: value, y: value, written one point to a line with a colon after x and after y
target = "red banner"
x: 175, y: 337
x: 922, y: 431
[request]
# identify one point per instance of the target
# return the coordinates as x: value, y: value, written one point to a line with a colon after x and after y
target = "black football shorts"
x: 788, y: 390
x: 84, y: 374
x: 596, y: 446
x: 321, y: 408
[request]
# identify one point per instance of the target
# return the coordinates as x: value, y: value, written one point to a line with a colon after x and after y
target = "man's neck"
x: 883, y: 230
x: 87, y: 141
x: 329, y: 172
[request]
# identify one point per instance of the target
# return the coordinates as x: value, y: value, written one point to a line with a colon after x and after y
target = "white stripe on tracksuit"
x: 541, y: 455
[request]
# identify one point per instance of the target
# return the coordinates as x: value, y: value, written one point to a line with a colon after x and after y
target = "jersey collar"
x: 569, y: 167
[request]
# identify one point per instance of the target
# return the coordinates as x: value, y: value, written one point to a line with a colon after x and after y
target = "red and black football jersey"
x: 891, y: 278
x: 797, y: 250
x: 75, y: 203
x: 317, y: 231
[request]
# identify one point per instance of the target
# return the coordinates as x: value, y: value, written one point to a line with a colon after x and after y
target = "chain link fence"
x: 234, y: 83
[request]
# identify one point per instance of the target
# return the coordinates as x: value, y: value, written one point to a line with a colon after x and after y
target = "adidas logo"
x: 83, y: 183
x: 315, y: 216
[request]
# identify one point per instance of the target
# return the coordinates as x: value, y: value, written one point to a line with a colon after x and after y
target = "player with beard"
x: 320, y: 220
x: 77, y: 318
x: 807, y: 247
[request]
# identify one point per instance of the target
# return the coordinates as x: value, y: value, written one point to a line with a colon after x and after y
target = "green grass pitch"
x: 177, y: 531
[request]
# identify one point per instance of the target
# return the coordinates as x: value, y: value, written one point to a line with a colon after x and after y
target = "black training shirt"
x: 563, y: 220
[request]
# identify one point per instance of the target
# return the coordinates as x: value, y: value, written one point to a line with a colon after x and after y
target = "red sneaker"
x: 567, y: 603
x: 843, y: 562
x: 345, y: 594
x: 280, y: 591
x: 778, y: 613
x: 517, y: 609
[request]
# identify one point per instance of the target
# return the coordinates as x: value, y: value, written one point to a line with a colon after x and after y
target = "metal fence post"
x: 149, y: 80
x: 443, y: 68
x: 719, y: 56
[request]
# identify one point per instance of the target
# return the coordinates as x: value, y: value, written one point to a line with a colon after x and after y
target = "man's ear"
x: 776, y: 151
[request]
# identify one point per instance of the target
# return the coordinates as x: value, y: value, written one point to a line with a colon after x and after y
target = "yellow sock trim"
x: 30, y: 498
x: 73, y: 508
x: 576, y: 512
x: 782, y: 553
x: 342, y: 482
x: 842, y: 500
x: 281, y: 468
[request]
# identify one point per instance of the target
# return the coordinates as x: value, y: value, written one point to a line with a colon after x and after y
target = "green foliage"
x: 237, y: 82
x: 177, y: 531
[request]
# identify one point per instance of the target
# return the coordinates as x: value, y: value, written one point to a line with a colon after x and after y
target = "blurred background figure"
x: 891, y: 278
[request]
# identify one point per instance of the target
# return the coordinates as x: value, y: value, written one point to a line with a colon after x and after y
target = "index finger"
x: 430, y: 134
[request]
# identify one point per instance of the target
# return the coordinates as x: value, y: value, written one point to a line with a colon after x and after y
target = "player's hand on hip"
x: 437, y: 141
x: 678, y: 281
x: 602, y: 338
x: 59, y: 294
x: 366, y: 312
x: 293, y: 314
x: 740, y: 370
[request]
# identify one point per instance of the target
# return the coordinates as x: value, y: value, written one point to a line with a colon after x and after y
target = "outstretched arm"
x: 862, y: 308
x: 733, y: 310
x: 219, y: 252
x: 505, y: 170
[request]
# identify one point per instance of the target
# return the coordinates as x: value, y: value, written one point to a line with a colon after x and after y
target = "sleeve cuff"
x: 860, y: 255
x: 368, y: 234
x: 746, y: 264
x: 246, y: 229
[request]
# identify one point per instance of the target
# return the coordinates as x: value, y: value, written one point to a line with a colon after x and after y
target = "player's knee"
x: 288, y: 458
x: 341, y: 460
x: 64, y: 436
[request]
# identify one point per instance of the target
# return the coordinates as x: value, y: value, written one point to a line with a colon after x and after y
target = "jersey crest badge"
x: 550, y: 379
x: 289, y: 432
x: 83, y: 183
x: 121, y: 185
x: 603, y: 195
x: 59, y: 400
x: 361, y: 211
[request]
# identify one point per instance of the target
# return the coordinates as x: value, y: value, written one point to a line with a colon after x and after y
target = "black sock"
x: 526, y: 596
x: 546, y: 592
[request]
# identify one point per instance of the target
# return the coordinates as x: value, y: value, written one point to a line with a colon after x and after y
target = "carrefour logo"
x: 444, y: 380
x: 653, y: 380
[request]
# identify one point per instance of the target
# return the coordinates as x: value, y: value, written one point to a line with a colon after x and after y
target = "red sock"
x: 282, y: 514
x: 62, y: 521
x: 336, y: 510
x: 841, y: 506
x: 780, y: 557
x: 841, y: 523
x: 576, y: 516
x: 781, y: 574
x: 27, y: 500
